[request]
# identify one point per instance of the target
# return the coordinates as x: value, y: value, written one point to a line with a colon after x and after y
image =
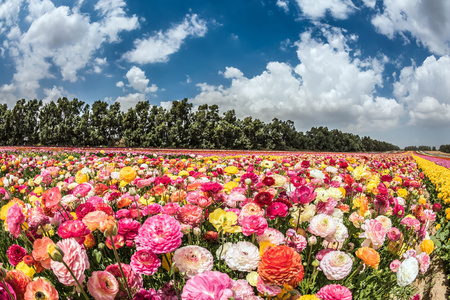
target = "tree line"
x: 442, y: 148
x: 75, y: 123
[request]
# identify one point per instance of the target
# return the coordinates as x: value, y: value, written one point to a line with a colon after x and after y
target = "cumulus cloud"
x: 231, y: 72
x: 328, y: 87
x: 283, y: 4
x: 130, y: 100
x: 55, y: 93
x: 424, y: 91
x: 427, y: 21
x: 60, y: 38
x: 7, y: 94
x: 315, y: 9
x: 158, y: 47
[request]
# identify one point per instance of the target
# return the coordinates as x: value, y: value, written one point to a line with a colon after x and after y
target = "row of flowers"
x: 440, y: 161
x: 105, y: 225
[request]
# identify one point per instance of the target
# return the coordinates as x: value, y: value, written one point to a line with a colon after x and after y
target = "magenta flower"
x: 14, y: 220
x: 161, y: 234
x: 211, y: 187
x: 395, y: 264
x: 103, y: 285
x: 134, y: 280
x: 253, y: 224
x: 4, y: 295
x: 303, y: 195
x: 143, y: 294
x: 145, y: 262
x: 128, y: 228
x: 334, y: 292
x: 74, y: 229
x: 208, y: 286
x: 277, y: 209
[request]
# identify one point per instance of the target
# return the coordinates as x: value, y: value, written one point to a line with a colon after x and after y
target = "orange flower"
x: 51, y: 199
x: 40, y: 251
x: 280, y: 265
x: 41, y: 289
x: 18, y: 281
x: 127, y: 174
x: 178, y: 196
x: 124, y: 202
x: 369, y: 256
x: 89, y: 242
x: 93, y: 219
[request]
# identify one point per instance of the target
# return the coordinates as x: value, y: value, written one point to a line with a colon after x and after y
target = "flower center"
x: 40, y: 296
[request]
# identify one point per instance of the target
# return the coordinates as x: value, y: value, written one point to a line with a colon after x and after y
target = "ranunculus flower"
x: 193, y: 260
x: 242, y: 256
x: 128, y: 228
x: 145, y: 262
x: 40, y: 253
x: 253, y: 224
x: 223, y: 220
x: 51, y: 198
x: 211, y: 285
x: 334, y: 292
x: 394, y: 265
x: 134, y: 280
x: 427, y: 246
x: 336, y: 265
x: 374, y: 233
x: 280, y: 265
x: 76, y: 259
x: 16, y: 254
x: 407, y: 272
x: 190, y: 214
x: 41, y: 289
x: 143, y: 294
x: 73, y: 228
x: 322, y: 225
x: 4, y: 295
x: 161, y: 234
x: 277, y: 209
x: 93, y: 219
x: 18, y: 281
x: 369, y: 256
x: 103, y: 285
x: 303, y: 194
x: 211, y: 187
x: 15, y: 219
x: 263, y: 198
x: 272, y: 235
x: 82, y: 190
x: 127, y: 174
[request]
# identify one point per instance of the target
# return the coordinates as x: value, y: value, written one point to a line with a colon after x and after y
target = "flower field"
x: 85, y: 223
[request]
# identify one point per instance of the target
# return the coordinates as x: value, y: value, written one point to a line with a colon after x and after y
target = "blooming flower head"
x: 243, y: 288
x: 272, y: 235
x: 411, y: 222
x: 190, y: 214
x: 322, y: 225
x: 253, y: 224
x: 394, y: 265
x: 134, y: 280
x: 225, y: 221
x: 15, y: 219
x: 4, y: 288
x: 296, y: 241
x: 127, y: 174
x: 208, y: 286
x: 424, y: 261
x: 18, y: 281
x: 336, y: 265
x: 103, y: 285
x: 334, y: 292
x: 40, y: 289
x: 427, y: 246
x: 242, y: 256
x: 270, y: 290
x: 303, y: 195
x: 51, y: 199
x: 40, y: 253
x: 374, y: 233
x: 407, y: 272
x: 369, y: 256
x: 160, y: 233
x: 76, y: 259
x: 280, y: 265
x: 193, y: 260
x: 277, y: 209
x: 93, y: 219
x: 16, y: 254
x: 73, y: 228
x: 145, y: 262
x: 128, y: 228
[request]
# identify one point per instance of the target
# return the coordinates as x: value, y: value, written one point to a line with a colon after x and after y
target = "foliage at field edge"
x: 74, y: 123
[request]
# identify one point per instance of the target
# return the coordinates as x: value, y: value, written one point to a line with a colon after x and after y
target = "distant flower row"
x: 101, y: 224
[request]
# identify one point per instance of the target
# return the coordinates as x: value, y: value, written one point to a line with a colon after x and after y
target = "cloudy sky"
x: 371, y: 67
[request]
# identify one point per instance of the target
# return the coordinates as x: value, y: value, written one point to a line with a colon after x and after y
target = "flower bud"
x: 55, y: 252
x: 312, y: 240
x: 101, y: 246
x: 3, y: 273
x: 197, y: 231
x: 315, y: 263
x: 132, y: 191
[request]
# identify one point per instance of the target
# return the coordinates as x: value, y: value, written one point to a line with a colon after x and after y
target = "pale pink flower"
x: 429, y: 215
x: 76, y: 259
x: 394, y: 234
x: 135, y: 281
x: 211, y: 285
x: 356, y: 219
x: 193, y: 260
x: 326, y: 207
x: 322, y: 225
x: 374, y: 233
x: 272, y: 235
x: 234, y: 198
x: 103, y: 285
x: 82, y: 190
x: 296, y: 241
x: 424, y: 261
x: 336, y: 265
x: 242, y: 288
x: 160, y: 233
x: 410, y: 253
x: 145, y: 262
x: 190, y: 214
x: 250, y: 209
x: 242, y: 256
x: 334, y: 292
x: 303, y: 195
x: 411, y: 222
x: 253, y: 224
x: 14, y: 220
x: 267, y: 289
x: 395, y: 264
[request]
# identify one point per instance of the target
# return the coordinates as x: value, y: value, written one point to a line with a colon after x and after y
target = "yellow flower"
x: 402, y: 193
x: 81, y: 178
x: 29, y: 271
x: 38, y: 190
x: 127, y: 174
x: 230, y: 185
x: 438, y: 226
x: 427, y: 246
x: 252, y: 278
x: 225, y: 221
x: 183, y: 173
x: 308, y: 297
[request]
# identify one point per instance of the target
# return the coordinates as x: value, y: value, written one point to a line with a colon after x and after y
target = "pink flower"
x: 36, y: 217
x: 4, y: 295
x: 250, y: 209
x: 336, y: 265
x: 190, y: 214
x: 253, y: 224
x: 373, y: 233
x: 82, y: 190
x: 145, y: 262
x: 153, y: 209
x: 399, y: 210
x: 151, y: 294
x: 267, y: 289
x: 14, y: 220
x: 410, y: 253
x: 320, y: 255
x: 424, y: 261
x: 128, y: 228
x: 134, y: 280
x: 395, y: 264
x: 277, y: 209
x: 211, y: 285
x: 394, y: 234
x: 170, y: 208
x: 75, y: 229
x: 211, y: 187
x: 303, y: 195
x: 411, y: 222
x: 103, y: 285
x: 15, y: 254
x: 83, y: 209
x: 322, y: 225
x: 334, y: 292
x: 160, y: 233
x: 76, y: 259
x: 242, y: 288
x: 192, y: 197
x: 326, y: 207
x: 193, y: 260
x: 272, y: 235
x: 296, y: 241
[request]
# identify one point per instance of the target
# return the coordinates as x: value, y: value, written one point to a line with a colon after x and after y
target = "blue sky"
x: 371, y: 67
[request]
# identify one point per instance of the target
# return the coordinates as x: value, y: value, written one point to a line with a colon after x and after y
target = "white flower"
x: 336, y: 265
x: 70, y: 201
x: 279, y: 180
x: 331, y: 169
x: 340, y: 235
x: 407, y: 272
x: 334, y: 193
x: 272, y: 235
x: 321, y: 194
x: 317, y: 174
x: 72, y: 185
x: 115, y: 175
x: 243, y: 256
x: 193, y: 260
x: 385, y: 221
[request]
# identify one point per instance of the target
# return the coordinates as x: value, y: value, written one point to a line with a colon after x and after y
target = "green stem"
x: 353, y: 274
x: 130, y: 297
x: 298, y: 219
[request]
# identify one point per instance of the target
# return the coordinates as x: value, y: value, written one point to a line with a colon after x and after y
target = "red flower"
x: 16, y: 254
x: 73, y: 228
x: 263, y: 198
x: 269, y: 181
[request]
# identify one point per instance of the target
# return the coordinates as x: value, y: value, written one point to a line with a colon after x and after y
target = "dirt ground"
x: 437, y: 153
x: 435, y: 285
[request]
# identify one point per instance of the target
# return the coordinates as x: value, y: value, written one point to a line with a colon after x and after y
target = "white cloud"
x: 370, y: 3
x: 328, y: 87
x: 283, y: 4
x: 54, y: 93
x: 120, y: 84
x: 138, y: 81
x: 130, y: 100
x: 7, y: 95
x: 231, y: 72
x: 159, y: 47
x: 314, y: 9
x: 9, y: 13
x: 427, y: 21
x: 61, y: 37
x: 424, y: 90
